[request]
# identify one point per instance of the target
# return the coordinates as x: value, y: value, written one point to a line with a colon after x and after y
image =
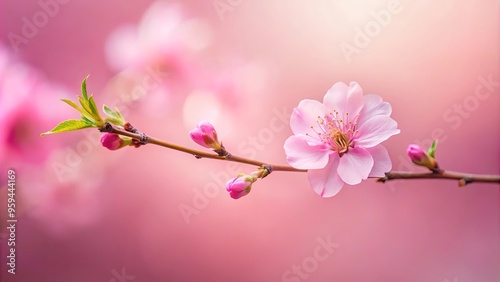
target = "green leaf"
x: 114, y: 117
x: 93, y: 107
x: 85, y: 105
x: 432, y: 149
x: 68, y: 125
x: 87, y: 117
x: 114, y: 120
x: 74, y: 105
x: 84, y: 88
x: 88, y: 121
x: 108, y: 111
x: 119, y: 115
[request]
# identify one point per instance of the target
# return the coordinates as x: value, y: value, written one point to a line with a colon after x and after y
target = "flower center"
x: 337, y: 131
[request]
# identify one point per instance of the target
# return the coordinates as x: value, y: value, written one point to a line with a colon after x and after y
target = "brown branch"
x: 144, y: 139
x: 463, y: 178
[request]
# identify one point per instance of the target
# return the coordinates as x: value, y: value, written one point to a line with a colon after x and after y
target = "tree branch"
x: 463, y: 178
x: 144, y: 139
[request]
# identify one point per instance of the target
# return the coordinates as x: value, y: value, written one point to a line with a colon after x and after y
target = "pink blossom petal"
x: 355, y: 166
x: 306, y: 115
x: 206, y: 127
x: 344, y: 99
x: 416, y: 153
x: 326, y: 182
x: 375, y: 130
x: 354, y: 124
x: 111, y: 141
x: 301, y: 155
x: 374, y: 105
x: 382, y: 161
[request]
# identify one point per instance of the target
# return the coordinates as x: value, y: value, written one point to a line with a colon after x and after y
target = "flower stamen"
x: 337, y: 131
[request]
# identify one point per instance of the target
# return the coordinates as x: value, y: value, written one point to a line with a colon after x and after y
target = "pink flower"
x: 240, y: 186
x: 157, y: 38
x: 27, y: 100
x: 419, y: 157
x: 338, y: 141
x: 113, y: 141
x: 205, y: 135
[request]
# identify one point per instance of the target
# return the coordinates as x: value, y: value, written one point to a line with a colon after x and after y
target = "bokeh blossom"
x: 161, y: 37
x: 25, y: 101
x: 29, y: 104
x: 338, y: 141
x: 169, y: 52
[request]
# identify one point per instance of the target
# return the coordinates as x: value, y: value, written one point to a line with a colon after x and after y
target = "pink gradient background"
x: 125, y: 213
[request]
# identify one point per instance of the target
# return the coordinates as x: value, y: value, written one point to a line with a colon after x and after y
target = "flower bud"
x: 113, y: 141
x: 240, y: 186
x: 420, y: 157
x: 205, y: 135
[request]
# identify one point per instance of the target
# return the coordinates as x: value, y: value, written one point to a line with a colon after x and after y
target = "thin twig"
x: 108, y: 127
x: 463, y: 178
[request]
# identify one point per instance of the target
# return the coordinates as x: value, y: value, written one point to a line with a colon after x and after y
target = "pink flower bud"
x: 112, y: 141
x: 205, y: 135
x: 240, y: 186
x: 420, y: 157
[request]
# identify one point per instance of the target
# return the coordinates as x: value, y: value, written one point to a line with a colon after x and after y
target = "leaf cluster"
x: 90, y: 116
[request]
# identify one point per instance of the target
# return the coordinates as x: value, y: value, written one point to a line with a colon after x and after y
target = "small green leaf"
x: 432, y: 149
x: 85, y: 115
x: 108, y: 111
x: 114, y: 117
x: 93, y: 107
x: 114, y: 120
x: 85, y: 106
x: 88, y: 121
x: 84, y: 88
x: 118, y: 114
x: 68, y: 125
x: 74, y: 105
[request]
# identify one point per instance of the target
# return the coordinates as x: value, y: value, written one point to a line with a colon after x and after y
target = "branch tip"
x: 382, y: 179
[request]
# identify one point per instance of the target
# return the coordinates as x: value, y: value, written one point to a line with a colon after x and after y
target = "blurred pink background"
x: 150, y: 214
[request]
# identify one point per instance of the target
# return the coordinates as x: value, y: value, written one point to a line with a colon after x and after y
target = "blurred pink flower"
x: 26, y: 102
x: 240, y: 186
x: 205, y: 135
x: 157, y: 57
x: 227, y: 82
x: 29, y: 105
x: 159, y: 38
x: 166, y: 53
x: 338, y: 141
